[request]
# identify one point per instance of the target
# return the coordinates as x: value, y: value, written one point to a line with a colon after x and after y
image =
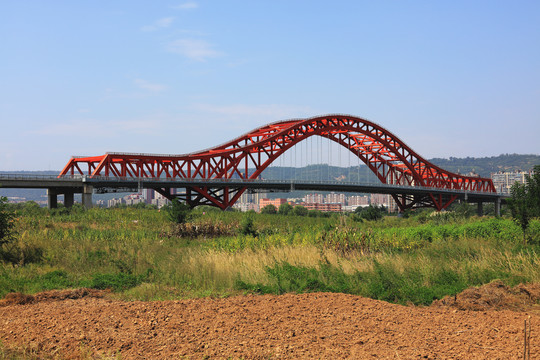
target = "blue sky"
x: 454, y: 78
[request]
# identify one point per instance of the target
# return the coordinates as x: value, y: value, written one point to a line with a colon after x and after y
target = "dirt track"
x: 321, y: 325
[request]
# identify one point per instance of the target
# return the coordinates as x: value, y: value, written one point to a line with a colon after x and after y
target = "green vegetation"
x: 269, y: 209
x: 525, y: 201
x: 6, y: 223
x: 177, y: 211
x: 370, y: 213
x: 141, y: 253
x: 8, y: 249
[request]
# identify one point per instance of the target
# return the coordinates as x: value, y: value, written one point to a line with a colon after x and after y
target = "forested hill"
x: 486, y: 165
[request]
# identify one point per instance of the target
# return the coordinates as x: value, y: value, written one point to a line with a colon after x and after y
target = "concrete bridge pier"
x: 52, y: 198
x: 480, y: 210
x: 87, y: 196
x: 498, y: 207
x: 69, y: 199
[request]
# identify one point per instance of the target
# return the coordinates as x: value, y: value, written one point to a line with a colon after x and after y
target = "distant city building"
x: 160, y: 200
x: 115, y: 202
x: 351, y: 208
x: 148, y: 195
x: 246, y: 207
x: 276, y: 202
x: 248, y: 202
x: 323, y: 207
x: 503, y: 181
x: 358, y: 200
x: 314, y: 199
x: 334, y: 198
x: 380, y: 199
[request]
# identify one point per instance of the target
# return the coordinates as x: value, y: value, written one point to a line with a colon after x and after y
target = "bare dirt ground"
x: 87, y: 324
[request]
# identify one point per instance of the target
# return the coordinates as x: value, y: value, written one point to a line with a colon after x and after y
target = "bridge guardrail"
x: 39, y: 177
x: 266, y: 181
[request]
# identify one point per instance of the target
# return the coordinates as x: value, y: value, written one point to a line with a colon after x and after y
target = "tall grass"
x: 138, y: 253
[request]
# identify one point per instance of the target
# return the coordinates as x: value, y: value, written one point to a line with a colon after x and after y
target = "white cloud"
x: 186, y: 6
x: 194, y: 49
x: 165, y: 22
x: 143, y: 84
x: 273, y: 112
x: 159, y: 24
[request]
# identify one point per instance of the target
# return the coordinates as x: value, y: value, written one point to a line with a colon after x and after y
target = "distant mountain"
x: 484, y: 167
x: 487, y: 165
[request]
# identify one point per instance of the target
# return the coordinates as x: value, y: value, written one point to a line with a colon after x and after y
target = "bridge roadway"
x: 86, y: 185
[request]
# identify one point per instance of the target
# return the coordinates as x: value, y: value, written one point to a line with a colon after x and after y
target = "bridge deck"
x: 77, y: 183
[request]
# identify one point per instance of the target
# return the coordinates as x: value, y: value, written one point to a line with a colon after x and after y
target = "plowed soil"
x: 89, y: 325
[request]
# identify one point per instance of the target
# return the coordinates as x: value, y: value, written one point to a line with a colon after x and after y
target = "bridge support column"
x: 480, y: 208
x: 87, y: 196
x: 69, y: 199
x: 52, y: 198
x: 498, y: 207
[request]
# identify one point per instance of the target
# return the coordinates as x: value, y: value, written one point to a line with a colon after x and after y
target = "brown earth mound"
x: 495, y: 296
x: 22, y: 299
x: 305, y: 326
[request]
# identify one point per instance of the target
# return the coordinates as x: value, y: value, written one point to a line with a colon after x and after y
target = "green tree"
x: 358, y: 210
x: 314, y: 213
x: 525, y: 201
x: 178, y: 212
x: 520, y: 206
x: 247, y: 226
x: 285, y: 209
x: 269, y: 209
x: 533, y: 188
x: 7, y: 233
x: 371, y: 213
x: 300, y: 210
x: 31, y: 208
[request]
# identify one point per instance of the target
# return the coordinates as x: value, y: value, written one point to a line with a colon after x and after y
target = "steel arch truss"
x: 247, y: 156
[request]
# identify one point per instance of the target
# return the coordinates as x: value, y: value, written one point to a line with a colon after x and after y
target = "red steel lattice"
x: 248, y: 155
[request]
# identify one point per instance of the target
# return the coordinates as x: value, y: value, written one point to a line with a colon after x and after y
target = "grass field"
x: 141, y: 255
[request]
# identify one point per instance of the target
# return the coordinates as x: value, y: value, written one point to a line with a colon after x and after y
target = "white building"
x: 503, y: 181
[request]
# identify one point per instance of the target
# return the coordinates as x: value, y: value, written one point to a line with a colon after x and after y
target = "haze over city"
x: 450, y: 79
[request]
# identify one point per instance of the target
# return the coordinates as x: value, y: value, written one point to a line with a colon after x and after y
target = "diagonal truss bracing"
x: 248, y: 155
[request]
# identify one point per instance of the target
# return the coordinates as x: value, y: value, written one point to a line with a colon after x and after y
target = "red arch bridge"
x: 218, y: 176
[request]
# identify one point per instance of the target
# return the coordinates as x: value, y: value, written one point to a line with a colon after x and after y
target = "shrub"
x: 7, y: 217
x: 372, y: 213
x: 247, y: 227
x: 300, y: 210
x: 177, y: 211
x: 285, y: 209
x: 269, y: 209
x: 7, y: 232
x: 525, y: 201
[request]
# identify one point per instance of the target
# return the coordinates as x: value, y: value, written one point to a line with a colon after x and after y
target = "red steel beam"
x: 383, y: 152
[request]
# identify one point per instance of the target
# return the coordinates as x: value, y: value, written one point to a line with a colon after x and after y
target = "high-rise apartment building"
x: 503, y: 181
x: 314, y: 199
x: 334, y: 198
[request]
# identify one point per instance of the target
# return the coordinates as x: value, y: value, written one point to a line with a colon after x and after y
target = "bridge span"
x: 87, y: 185
x: 218, y: 176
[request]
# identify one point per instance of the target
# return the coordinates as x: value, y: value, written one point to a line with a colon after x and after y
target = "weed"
x: 217, y: 253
